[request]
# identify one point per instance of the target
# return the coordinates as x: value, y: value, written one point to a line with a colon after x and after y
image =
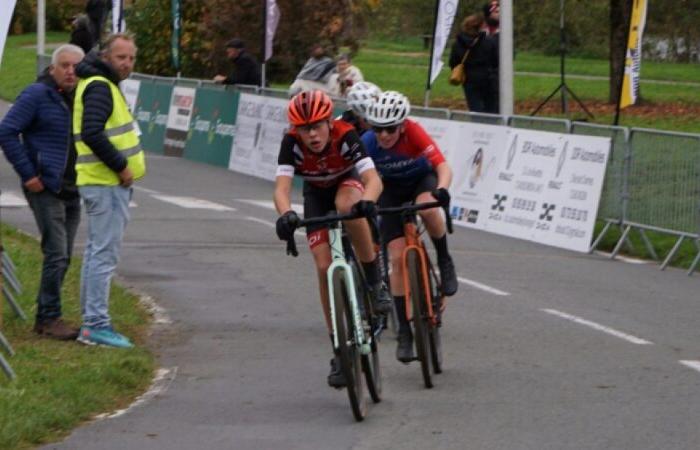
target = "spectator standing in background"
x: 480, y: 65
x: 36, y: 138
x: 86, y: 28
x: 316, y: 73
x: 246, y: 68
x: 348, y: 75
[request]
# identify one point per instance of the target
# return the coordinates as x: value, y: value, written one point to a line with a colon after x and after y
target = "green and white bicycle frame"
x: 340, y: 263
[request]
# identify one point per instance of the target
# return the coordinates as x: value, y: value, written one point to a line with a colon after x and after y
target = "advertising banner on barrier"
x: 212, y: 127
x: 548, y: 187
x: 260, y: 125
x: 474, y: 160
x: 533, y: 185
x: 179, y: 115
x: 151, y: 113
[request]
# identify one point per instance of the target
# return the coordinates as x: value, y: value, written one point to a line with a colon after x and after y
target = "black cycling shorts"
x: 319, y: 202
x: 397, y: 194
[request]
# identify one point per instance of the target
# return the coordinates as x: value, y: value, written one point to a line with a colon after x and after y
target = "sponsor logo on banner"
x: 499, y: 202
x: 179, y: 116
x: 547, y: 210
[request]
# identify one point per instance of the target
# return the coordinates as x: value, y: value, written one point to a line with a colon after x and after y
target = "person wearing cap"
x: 246, y: 68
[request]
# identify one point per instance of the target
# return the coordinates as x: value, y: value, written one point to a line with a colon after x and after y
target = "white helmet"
x: 391, y: 108
x: 361, y: 96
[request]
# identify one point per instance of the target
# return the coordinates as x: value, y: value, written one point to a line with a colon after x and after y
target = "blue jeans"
x: 57, y: 220
x: 107, y: 209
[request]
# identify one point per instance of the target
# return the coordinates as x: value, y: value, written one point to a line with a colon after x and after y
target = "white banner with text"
x: 261, y: 123
x: 540, y: 186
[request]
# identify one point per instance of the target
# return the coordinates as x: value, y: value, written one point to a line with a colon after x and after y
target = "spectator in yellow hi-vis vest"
x: 109, y: 159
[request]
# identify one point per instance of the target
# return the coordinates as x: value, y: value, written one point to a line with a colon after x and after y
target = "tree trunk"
x: 620, y: 11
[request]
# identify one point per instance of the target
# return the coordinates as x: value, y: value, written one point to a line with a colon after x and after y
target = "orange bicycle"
x: 423, y: 288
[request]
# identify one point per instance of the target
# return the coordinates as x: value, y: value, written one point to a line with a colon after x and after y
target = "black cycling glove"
x: 286, y: 225
x: 442, y: 196
x: 364, y: 208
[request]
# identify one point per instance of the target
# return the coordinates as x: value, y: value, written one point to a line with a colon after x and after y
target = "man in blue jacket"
x: 36, y: 138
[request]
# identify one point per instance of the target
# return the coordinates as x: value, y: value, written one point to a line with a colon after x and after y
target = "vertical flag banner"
x: 175, y: 39
x: 5, y: 17
x: 118, y: 24
x: 446, y: 10
x: 272, y: 18
x: 633, y: 58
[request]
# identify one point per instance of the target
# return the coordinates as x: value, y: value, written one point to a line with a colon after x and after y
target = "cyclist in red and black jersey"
x: 338, y: 175
x: 413, y: 169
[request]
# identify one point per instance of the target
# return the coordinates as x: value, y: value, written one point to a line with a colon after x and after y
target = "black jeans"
x: 58, y: 221
x: 481, y: 97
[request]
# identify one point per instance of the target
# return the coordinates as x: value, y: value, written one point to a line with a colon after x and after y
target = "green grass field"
x: 18, y: 67
x: 59, y: 385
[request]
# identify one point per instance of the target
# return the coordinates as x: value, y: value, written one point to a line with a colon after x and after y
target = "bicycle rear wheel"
x: 370, y: 362
x: 347, y: 350
x: 420, y: 316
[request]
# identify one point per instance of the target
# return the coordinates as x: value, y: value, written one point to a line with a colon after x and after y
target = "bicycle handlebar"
x: 419, y: 207
x: 323, y: 220
x: 334, y: 218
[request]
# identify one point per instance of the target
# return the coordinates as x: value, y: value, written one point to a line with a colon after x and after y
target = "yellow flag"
x: 633, y: 58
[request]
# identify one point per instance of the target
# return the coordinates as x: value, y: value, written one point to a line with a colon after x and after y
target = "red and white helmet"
x: 308, y: 107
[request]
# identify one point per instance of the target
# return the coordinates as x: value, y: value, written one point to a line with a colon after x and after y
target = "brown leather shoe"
x: 56, y: 329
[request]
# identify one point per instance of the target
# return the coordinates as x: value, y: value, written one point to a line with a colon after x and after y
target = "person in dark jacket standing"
x: 36, y: 138
x: 86, y: 27
x: 109, y: 159
x: 247, y: 69
x: 480, y: 65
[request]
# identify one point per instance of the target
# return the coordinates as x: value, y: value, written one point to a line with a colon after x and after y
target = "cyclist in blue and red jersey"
x: 413, y: 169
x: 338, y: 175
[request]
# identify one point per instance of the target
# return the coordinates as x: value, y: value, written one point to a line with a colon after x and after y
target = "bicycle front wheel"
x: 420, y: 315
x: 434, y: 329
x: 370, y: 362
x: 348, y: 351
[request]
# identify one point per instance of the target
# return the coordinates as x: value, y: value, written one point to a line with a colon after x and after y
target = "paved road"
x: 577, y: 352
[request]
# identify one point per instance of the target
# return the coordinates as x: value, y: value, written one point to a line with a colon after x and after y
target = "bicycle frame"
x: 339, y: 263
x: 415, y: 244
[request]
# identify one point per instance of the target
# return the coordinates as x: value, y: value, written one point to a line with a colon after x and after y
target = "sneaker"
x: 56, y: 329
x: 404, y: 348
x: 103, y: 336
x: 448, y: 277
x: 382, y: 301
x: 336, y: 378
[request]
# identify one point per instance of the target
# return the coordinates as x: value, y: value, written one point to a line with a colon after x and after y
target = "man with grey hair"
x: 36, y: 138
x: 110, y: 159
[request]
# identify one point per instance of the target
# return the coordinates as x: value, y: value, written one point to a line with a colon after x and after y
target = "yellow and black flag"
x: 633, y: 58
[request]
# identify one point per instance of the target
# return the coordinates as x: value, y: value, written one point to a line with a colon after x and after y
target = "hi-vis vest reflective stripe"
x: 119, y: 129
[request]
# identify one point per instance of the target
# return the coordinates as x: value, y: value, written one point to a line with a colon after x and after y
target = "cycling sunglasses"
x: 389, y: 130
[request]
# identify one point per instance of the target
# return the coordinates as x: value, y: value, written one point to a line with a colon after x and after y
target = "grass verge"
x: 18, y: 67
x: 62, y: 384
